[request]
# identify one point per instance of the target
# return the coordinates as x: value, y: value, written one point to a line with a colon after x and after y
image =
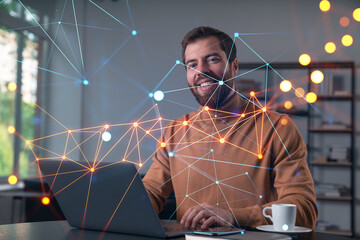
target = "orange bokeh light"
x: 12, y: 179
x: 311, y: 97
x: 222, y: 140
x: 330, y: 47
x: 185, y: 123
x: 135, y: 124
x: 163, y: 144
x: 317, y: 76
x: 324, y: 5
x: 304, y: 59
x: 347, y: 40
x: 92, y: 169
x: 243, y: 115
x: 140, y: 164
x: 288, y: 105
x: 11, y: 129
x: 106, y: 126
x: 285, y: 86
x: 147, y: 132
x: 252, y: 93
x: 206, y: 108
x: 299, y: 92
x: 344, y: 21
x: 45, y: 200
x: 284, y: 121
x: 12, y: 86
x: 260, y: 156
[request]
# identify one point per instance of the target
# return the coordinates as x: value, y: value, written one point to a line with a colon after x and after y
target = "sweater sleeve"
x: 157, y: 180
x: 291, y: 177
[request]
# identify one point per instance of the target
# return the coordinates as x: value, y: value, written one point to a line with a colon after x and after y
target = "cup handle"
x: 264, y: 213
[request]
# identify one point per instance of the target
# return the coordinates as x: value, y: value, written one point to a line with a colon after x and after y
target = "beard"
x: 216, y: 98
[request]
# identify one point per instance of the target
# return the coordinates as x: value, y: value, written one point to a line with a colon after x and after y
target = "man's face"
x: 206, y: 63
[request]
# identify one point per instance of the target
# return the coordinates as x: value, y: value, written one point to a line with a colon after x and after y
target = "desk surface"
x: 60, y: 230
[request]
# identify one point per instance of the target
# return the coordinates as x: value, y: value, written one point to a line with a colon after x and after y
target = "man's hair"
x: 203, y: 32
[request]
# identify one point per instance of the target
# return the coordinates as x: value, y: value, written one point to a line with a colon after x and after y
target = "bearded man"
x: 230, y: 159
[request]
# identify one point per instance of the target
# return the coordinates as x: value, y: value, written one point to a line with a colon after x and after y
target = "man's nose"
x: 203, y: 67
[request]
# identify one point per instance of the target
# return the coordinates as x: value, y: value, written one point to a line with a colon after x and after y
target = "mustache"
x: 207, y: 75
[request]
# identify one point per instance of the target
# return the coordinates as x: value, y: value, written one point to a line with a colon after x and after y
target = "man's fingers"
x: 192, y: 213
x: 183, y: 219
x: 199, y: 216
x: 209, y: 222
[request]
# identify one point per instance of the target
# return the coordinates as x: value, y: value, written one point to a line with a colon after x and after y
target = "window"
x: 19, y: 61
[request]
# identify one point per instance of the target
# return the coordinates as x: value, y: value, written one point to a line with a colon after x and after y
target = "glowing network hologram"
x: 127, y: 139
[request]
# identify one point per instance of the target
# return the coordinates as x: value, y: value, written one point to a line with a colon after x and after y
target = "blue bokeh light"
x: 285, y: 227
x: 106, y: 136
x: 171, y: 154
x: 158, y: 95
x: 151, y: 95
x: 85, y: 82
x: 134, y: 32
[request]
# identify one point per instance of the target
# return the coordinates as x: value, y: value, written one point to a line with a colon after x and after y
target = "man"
x: 230, y: 158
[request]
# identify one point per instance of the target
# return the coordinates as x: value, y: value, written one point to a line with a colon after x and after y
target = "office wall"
x: 123, y: 69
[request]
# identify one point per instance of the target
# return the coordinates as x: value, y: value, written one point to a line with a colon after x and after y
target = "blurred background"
x: 76, y: 74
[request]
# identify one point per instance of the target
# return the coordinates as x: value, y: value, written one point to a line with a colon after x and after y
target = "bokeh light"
x: 252, y: 93
x: 285, y: 227
x: 344, y: 21
x: 12, y: 179
x: 288, y: 105
x: 299, y: 92
x: 11, y: 129
x: 311, y: 97
x: 260, y: 156
x: 222, y: 140
x: 324, y: 5
x: 45, y: 201
x: 330, y: 47
x: 285, y: 86
x: 163, y: 144
x: 12, y: 86
x: 304, y: 59
x: 284, y: 121
x: 356, y: 14
x: 317, y: 76
x: 347, y: 40
x: 158, y: 95
x: 106, y: 136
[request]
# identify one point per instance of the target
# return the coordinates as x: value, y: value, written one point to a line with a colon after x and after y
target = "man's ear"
x: 235, y: 67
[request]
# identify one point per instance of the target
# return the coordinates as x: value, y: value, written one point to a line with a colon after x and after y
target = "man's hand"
x: 207, y: 215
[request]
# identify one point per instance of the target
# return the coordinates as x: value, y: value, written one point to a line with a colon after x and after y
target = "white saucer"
x: 270, y: 228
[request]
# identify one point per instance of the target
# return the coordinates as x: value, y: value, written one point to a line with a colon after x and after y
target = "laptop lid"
x: 111, y: 197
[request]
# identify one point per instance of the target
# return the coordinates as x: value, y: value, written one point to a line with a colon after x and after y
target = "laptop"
x: 109, y: 198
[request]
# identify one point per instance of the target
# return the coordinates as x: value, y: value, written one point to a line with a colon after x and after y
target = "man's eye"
x: 213, y: 59
x: 192, y: 65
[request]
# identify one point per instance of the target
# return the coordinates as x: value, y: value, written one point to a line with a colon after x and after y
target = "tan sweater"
x: 201, y: 169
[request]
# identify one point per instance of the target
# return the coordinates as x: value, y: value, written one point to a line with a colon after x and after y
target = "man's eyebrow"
x: 213, y: 54
x: 189, y: 61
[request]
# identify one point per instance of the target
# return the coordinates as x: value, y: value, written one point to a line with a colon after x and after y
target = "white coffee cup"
x: 283, y: 216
